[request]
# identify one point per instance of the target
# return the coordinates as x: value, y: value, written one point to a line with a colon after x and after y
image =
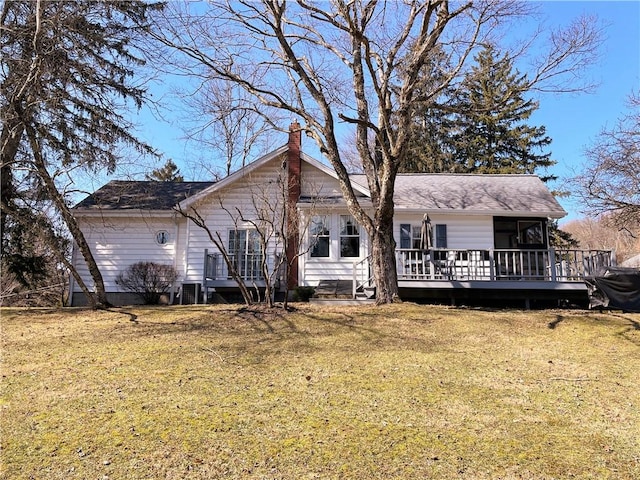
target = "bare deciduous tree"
x: 610, y: 183
x: 224, y: 121
x: 271, y: 215
x: 358, y: 64
x: 602, y: 233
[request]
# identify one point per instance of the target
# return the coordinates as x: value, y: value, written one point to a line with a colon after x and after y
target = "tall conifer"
x: 481, y: 125
x: 492, y: 134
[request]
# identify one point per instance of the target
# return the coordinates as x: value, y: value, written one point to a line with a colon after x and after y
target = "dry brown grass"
x: 403, y: 391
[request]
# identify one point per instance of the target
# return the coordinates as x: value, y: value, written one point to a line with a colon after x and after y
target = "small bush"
x: 149, y: 280
x: 303, y: 294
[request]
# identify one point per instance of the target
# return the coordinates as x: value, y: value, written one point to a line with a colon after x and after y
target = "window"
x: 162, y: 237
x: 246, y: 253
x: 349, y: 237
x: 320, y: 236
x: 410, y: 236
x: 441, y: 236
x: 519, y: 232
x: 530, y: 232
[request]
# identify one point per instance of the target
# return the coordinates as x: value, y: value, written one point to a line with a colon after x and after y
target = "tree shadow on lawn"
x: 260, y: 328
x: 554, y: 324
x: 613, y: 319
x: 255, y: 318
x: 253, y: 324
x: 634, y: 325
x: 367, y: 327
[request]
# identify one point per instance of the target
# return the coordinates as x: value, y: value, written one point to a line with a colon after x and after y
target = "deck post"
x: 492, y: 266
x: 204, y: 274
x: 355, y: 280
x: 552, y: 263
x: 432, y: 265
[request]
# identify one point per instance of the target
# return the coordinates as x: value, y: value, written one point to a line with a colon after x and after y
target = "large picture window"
x: 349, y: 237
x: 320, y: 236
x: 520, y: 232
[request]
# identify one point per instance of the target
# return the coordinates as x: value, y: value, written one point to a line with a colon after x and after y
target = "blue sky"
x: 572, y: 120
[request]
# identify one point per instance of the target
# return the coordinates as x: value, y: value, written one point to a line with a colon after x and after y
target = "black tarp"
x: 615, y: 287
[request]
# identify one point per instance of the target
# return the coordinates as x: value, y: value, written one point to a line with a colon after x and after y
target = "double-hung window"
x: 349, y: 237
x: 320, y: 236
x: 246, y: 253
x: 410, y: 236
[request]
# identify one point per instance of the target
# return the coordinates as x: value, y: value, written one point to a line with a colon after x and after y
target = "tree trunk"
x: 383, y: 260
x: 10, y: 141
x: 100, y: 297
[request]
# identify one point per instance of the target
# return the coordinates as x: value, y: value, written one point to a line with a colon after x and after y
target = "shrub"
x: 303, y: 294
x: 149, y: 280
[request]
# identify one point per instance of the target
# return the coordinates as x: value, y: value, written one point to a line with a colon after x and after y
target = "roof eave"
x: 124, y: 213
x: 500, y: 213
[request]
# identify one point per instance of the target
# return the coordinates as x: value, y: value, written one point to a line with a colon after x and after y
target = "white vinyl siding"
x: 314, y: 269
x: 260, y: 189
x: 117, y: 243
x: 462, y: 231
x: 316, y: 183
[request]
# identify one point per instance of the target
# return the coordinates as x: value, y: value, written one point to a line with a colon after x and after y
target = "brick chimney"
x: 294, y: 166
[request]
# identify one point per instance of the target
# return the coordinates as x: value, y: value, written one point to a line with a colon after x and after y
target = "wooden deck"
x: 547, y: 266
x: 455, y: 274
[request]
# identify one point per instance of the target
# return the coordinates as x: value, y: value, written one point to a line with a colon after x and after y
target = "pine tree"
x: 492, y: 135
x: 480, y: 126
x: 168, y: 173
x: 430, y: 149
x: 67, y: 71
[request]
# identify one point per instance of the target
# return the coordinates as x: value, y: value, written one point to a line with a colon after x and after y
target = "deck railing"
x: 555, y: 265
x: 362, y: 275
x: 248, y: 266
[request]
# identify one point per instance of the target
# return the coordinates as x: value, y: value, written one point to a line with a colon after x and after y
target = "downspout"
x: 186, y: 262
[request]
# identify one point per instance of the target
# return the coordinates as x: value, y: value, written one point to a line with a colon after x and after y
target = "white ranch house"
x: 458, y: 235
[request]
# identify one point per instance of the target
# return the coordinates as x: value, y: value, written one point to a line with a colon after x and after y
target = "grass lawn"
x: 401, y: 391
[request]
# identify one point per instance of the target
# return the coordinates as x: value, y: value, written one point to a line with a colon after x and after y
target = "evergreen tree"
x: 168, y: 173
x: 492, y: 135
x: 430, y: 148
x: 67, y: 70
x: 480, y: 127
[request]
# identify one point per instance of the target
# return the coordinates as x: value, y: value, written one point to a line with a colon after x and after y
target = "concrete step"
x: 343, y: 301
x: 334, y: 289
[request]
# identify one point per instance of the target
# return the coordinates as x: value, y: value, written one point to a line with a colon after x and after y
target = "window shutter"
x: 405, y: 235
x: 441, y: 236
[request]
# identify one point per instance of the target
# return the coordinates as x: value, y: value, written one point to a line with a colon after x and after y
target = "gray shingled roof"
x: 133, y: 195
x: 475, y: 193
x: 427, y: 192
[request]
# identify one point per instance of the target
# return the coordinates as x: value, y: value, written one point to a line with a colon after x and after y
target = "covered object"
x: 615, y: 287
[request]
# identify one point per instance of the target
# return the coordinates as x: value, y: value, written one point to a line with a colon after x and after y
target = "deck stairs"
x: 338, y: 292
